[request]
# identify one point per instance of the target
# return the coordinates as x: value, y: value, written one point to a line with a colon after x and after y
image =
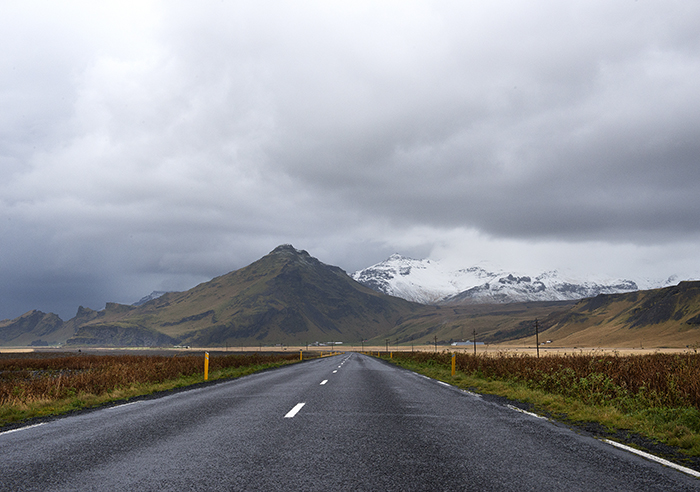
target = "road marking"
x: 294, y: 410
x: 123, y: 405
x: 324, y: 381
x: 526, y: 412
x: 21, y: 428
x: 444, y: 383
x: 654, y: 458
x: 335, y: 371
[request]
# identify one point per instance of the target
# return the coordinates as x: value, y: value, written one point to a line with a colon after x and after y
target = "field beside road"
x: 49, y: 383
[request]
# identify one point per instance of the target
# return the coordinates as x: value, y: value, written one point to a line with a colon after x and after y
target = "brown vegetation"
x: 654, y: 380
x: 28, y: 380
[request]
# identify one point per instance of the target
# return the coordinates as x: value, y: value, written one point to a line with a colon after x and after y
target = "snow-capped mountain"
x: 428, y: 282
x: 153, y: 295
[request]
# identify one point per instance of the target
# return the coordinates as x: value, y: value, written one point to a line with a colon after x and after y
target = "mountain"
x: 429, y: 282
x: 153, y: 295
x: 548, y: 286
x: 665, y: 317
x: 34, y: 328
x: 424, y: 281
x: 488, y: 323
x: 668, y: 316
x: 289, y: 297
x: 285, y: 297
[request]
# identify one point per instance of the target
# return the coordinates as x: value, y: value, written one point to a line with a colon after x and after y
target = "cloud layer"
x: 154, y: 145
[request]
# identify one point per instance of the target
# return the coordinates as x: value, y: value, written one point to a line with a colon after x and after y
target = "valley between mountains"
x: 289, y: 297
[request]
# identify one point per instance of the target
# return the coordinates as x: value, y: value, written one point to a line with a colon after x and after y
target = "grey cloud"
x: 176, y: 143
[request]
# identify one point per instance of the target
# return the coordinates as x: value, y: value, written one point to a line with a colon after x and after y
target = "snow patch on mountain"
x: 424, y: 281
x: 429, y: 282
x: 153, y: 295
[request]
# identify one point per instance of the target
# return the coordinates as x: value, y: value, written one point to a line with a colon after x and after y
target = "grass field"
x: 35, y: 385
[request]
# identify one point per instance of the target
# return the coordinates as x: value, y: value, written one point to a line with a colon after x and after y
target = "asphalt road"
x: 364, y: 425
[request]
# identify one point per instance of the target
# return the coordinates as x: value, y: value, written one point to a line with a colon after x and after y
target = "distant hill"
x: 493, y: 323
x: 653, y: 318
x: 289, y: 297
x: 34, y: 328
x: 285, y: 297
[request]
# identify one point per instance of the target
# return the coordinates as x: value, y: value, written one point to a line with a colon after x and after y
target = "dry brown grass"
x: 27, y: 380
x: 660, y: 380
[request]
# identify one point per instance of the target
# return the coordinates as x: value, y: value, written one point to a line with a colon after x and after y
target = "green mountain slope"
x: 493, y: 323
x: 34, y: 328
x: 653, y: 318
x: 285, y: 297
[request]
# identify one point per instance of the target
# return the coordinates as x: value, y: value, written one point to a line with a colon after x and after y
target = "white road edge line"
x: 294, y: 410
x: 526, y: 412
x: 444, y: 383
x: 21, y: 428
x: 123, y: 405
x: 653, y: 458
x: 324, y: 382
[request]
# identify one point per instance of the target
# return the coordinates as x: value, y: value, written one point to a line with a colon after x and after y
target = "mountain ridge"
x: 289, y: 297
x: 429, y: 282
x: 670, y: 315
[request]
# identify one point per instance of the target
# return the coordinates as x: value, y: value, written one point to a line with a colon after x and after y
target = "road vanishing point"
x: 347, y: 422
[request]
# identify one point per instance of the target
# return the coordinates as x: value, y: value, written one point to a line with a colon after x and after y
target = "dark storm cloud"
x: 153, y: 145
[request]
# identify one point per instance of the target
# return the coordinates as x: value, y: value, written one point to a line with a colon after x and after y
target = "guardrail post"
x: 206, y: 365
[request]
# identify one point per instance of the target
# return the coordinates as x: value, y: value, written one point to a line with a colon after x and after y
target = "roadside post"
x: 453, y: 363
x: 301, y: 355
x: 206, y: 365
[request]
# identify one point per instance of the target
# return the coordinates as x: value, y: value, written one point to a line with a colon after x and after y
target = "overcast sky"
x: 154, y: 145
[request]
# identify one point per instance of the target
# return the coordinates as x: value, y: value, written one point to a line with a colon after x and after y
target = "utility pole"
x: 474, y: 340
x: 387, y: 345
x: 537, y: 337
x: 435, y: 343
x: 363, y: 345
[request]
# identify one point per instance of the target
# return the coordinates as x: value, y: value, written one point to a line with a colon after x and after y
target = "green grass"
x: 581, y: 403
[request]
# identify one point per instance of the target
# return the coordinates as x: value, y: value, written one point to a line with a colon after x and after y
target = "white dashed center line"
x: 335, y: 371
x: 324, y: 381
x: 294, y: 410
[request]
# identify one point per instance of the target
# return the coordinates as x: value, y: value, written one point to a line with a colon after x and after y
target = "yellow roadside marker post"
x: 301, y: 355
x: 206, y: 365
x: 453, y: 363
